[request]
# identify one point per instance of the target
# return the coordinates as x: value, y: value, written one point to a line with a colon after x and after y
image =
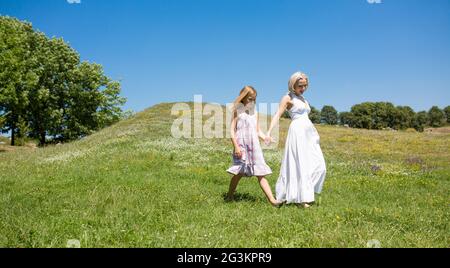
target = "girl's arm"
x: 237, y: 149
x: 281, y: 108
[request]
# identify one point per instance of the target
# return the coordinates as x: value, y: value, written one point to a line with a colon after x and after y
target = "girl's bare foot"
x: 277, y: 204
x: 229, y: 199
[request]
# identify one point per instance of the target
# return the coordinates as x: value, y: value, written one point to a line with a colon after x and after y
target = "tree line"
x: 381, y: 115
x: 47, y: 92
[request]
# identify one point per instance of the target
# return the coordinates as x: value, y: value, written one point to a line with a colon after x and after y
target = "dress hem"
x: 240, y: 169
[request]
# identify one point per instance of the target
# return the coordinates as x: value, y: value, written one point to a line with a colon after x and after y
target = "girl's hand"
x: 237, y: 152
x: 268, y: 140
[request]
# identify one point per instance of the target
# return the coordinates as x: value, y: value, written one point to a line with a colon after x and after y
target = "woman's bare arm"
x: 276, y: 118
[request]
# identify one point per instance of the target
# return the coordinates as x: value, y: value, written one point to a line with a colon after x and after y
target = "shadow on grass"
x: 246, y: 197
x: 240, y: 197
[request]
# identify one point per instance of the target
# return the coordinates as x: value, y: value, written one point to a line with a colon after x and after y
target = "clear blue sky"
x: 169, y: 50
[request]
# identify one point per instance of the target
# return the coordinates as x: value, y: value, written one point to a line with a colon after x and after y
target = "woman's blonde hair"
x: 294, y: 79
x: 242, y: 94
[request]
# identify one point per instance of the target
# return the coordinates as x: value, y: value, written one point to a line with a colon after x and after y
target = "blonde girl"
x: 248, y: 160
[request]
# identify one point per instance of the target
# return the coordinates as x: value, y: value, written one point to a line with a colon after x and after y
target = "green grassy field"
x: 133, y: 185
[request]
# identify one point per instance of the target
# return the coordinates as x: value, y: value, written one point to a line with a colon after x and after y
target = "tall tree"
x: 2, y: 120
x: 329, y: 115
x: 420, y: 120
x: 314, y: 115
x: 46, y: 91
x: 17, y: 77
x: 362, y: 115
x: 406, y: 116
x: 447, y: 113
x: 382, y: 114
x: 94, y: 102
x: 345, y: 118
x: 55, y: 61
x: 436, y: 116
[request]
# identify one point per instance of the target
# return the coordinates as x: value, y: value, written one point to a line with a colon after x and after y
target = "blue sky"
x: 169, y: 50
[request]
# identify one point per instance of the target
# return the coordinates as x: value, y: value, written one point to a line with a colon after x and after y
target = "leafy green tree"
x: 382, y: 114
x: 17, y: 77
x: 345, y: 118
x: 46, y: 92
x: 436, y: 117
x: 90, y: 109
x: 420, y: 120
x: 55, y: 61
x: 2, y: 120
x: 406, y: 117
x: 447, y: 113
x: 329, y: 115
x: 362, y: 115
x: 314, y: 115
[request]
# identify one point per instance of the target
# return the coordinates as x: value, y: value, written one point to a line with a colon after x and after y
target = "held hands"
x: 268, y: 140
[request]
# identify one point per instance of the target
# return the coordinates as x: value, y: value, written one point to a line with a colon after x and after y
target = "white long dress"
x: 303, y: 168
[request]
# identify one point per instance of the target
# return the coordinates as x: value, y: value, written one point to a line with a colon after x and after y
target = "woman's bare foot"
x: 304, y: 205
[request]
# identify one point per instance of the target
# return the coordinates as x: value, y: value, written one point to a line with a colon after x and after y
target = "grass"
x: 133, y: 185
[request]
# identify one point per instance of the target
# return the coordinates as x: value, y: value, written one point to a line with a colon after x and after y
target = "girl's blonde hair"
x: 242, y: 94
x: 294, y: 79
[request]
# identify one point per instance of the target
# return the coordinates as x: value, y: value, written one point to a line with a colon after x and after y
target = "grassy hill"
x: 133, y: 185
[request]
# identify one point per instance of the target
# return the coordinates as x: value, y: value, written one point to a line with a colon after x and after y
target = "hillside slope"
x: 133, y: 185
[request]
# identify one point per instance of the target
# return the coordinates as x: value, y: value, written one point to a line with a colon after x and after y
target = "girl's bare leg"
x: 267, y: 191
x: 233, y: 185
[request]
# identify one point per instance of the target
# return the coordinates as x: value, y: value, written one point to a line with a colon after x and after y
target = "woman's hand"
x: 268, y: 140
x: 237, y: 152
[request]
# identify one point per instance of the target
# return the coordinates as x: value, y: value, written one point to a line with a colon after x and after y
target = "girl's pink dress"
x: 252, y: 161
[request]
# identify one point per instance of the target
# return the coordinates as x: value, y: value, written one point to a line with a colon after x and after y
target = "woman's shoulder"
x: 287, y: 97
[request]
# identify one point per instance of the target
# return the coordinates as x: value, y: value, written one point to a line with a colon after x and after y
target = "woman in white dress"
x: 303, y: 169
